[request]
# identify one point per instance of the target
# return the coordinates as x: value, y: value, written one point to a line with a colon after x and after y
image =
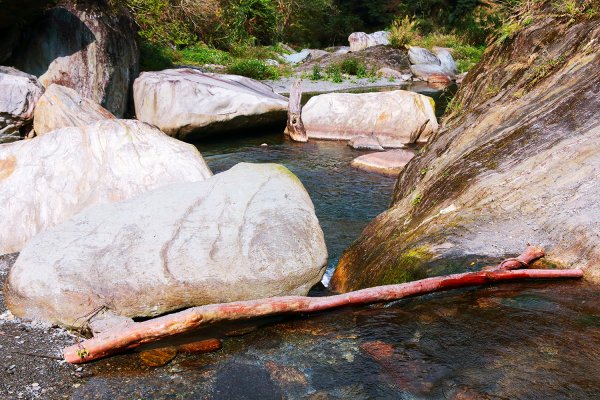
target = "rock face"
x: 46, y: 180
x: 433, y: 68
x: 62, y: 107
x: 517, y: 162
x: 86, y: 46
x: 186, y: 103
x: 361, y: 40
x: 19, y: 93
x: 396, y: 118
x: 389, y: 162
x: 246, y: 233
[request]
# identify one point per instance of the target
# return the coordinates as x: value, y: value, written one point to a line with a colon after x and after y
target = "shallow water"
x: 525, y: 341
x: 511, y: 341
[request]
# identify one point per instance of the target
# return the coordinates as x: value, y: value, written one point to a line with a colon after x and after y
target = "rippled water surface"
x: 511, y: 341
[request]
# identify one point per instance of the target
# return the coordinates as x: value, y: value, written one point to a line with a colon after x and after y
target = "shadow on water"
x: 511, y: 341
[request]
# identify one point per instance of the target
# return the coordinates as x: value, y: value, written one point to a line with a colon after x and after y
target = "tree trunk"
x: 139, y: 333
x: 295, y: 127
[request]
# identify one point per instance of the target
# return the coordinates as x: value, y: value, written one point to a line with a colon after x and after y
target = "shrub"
x: 154, y: 57
x: 204, y: 55
x: 316, y: 73
x: 402, y: 32
x: 254, y: 69
x: 334, y: 73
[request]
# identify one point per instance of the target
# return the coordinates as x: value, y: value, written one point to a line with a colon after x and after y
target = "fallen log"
x: 109, y: 343
x: 295, y: 126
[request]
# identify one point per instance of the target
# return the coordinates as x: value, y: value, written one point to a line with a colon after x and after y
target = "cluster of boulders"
x: 421, y: 64
x: 115, y: 214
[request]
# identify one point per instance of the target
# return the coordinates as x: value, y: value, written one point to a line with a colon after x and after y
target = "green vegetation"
x: 402, y: 32
x: 243, y: 34
x: 255, y: 69
x: 410, y: 266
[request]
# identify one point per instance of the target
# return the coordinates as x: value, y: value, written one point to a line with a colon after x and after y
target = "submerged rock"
x: 19, y: 93
x: 46, y: 180
x: 185, y: 102
x: 395, y: 118
x: 389, y: 162
x: 246, y: 233
x: 88, y: 46
x: 361, y: 40
x: 517, y: 163
x: 365, y: 142
x: 62, y: 107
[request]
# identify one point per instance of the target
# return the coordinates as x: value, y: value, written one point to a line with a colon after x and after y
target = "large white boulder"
x: 246, y: 233
x: 396, y: 117
x: 19, y: 93
x: 361, y: 40
x: 61, y: 107
x: 185, y: 101
x: 46, y: 180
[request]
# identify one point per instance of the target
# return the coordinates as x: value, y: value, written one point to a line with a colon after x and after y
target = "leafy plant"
x: 334, y: 73
x: 402, y: 32
x: 316, y: 73
x: 254, y: 69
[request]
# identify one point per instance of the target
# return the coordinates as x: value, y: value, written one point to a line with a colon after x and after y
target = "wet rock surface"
x: 389, y: 162
x: 516, y: 162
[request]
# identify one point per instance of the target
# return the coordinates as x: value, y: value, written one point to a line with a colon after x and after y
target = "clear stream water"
x: 512, y: 341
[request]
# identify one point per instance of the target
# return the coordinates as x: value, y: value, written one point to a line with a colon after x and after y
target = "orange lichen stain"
x: 7, y: 167
x: 384, y: 116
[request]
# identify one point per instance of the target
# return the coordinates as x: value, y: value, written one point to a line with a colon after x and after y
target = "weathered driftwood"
x: 110, y: 343
x: 295, y: 127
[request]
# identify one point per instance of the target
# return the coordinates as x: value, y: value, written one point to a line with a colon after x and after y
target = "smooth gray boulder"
x: 88, y: 46
x: 62, y: 107
x: 46, y: 180
x: 395, y: 118
x: 419, y: 55
x: 19, y: 93
x: 361, y: 40
x: 246, y: 233
x: 186, y: 103
x: 433, y: 68
x: 446, y: 60
x: 304, y: 55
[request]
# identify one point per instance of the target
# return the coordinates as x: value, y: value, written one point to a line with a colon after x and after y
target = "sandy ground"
x: 31, y: 366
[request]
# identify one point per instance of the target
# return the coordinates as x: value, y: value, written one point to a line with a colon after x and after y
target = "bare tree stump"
x: 295, y: 127
x: 139, y: 333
